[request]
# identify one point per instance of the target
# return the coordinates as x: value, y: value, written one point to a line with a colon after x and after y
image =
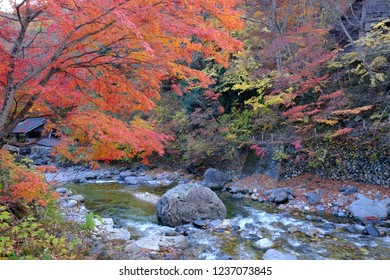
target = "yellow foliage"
x: 137, y: 121
x: 352, y: 111
x: 331, y: 122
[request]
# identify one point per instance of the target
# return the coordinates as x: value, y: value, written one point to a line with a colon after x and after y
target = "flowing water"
x: 305, y: 236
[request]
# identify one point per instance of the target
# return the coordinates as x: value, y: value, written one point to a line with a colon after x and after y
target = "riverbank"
x: 309, y: 193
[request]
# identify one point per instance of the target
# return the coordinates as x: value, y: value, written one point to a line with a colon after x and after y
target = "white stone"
x: 264, y: 243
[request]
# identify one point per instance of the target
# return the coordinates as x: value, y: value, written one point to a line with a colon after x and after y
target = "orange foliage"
x: 341, y: 132
x: 46, y: 168
x: 91, y: 65
x: 23, y: 184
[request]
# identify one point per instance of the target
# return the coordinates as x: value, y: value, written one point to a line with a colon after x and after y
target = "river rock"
x: 132, y: 248
x: 369, y: 229
x: 137, y: 180
x: 350, y: 190
x: 273, y: 254
x: 77, y: 197
x: 62, y: 190
x: 215, y: 179
x: 88, y: 175
x: 340, y: 201
x: 224, y: 224
x: 203, y: 224
x: 356, y: 228
x: 177, y: 242
x: 386, y: 203
x: 149, y: 242
x: 126, y: 173
x: 69, y: 203
x: 365, y: 209
x: 154, y: 242
x: 264, y: 243
x: 313, y: 198
x: 279, y: 196
x: 105, y: 226
x: 185, y: 203
x: 118, y: 234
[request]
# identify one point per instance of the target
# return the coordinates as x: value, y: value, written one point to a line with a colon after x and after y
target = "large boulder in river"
x: 215, y: 179
x: 366, y: 210
x: 188, y: 202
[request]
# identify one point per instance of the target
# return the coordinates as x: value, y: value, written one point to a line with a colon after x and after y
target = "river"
x: 305, y: 235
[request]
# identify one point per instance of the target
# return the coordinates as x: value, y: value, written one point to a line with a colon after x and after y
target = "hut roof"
x: 29, y: 124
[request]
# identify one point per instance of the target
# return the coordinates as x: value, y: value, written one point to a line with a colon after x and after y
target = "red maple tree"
x: 90, y: 66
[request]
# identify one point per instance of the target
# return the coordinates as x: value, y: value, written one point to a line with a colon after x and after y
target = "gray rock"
x: 264, y: 243
x: 341, y: 214
x: 356, y: 228
x: 81, y: 180
x: 203, y: 224
x: 104, y: 222
x: 115, y: 171
x: 279, y: 196
x: 313, y: 198
x: 149, y: 242
x: 177, y: 242
x: 126, y: 173
x: 62, y: 190
x: 215, y: 179
x: 215, y: 223
x: 89, y: 175
x: 70, y: 203
x: 118, y: 234
x: 386, y: 202
x: 132, y: 248
x: 260, y: 199
x: 273, y: 254
x: 290, y: 192
x: 130, y: 180
x: 340, y: 201
x: 320, y: 208
x: 155, y: 242
x: 77, y: 197
x: 350, y: 190
x: 172, y: 233
x: 369, y: 229
x: 365, y: 209
x: 185, y: 203
x: 222, y: 224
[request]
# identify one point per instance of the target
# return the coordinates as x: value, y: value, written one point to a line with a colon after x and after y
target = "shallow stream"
x: 307, y: 236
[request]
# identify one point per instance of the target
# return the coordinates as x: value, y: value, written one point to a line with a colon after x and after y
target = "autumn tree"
x: 343, y: 15
x: 89, y: 66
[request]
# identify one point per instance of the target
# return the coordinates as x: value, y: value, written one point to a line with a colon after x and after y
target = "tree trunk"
x: 360, y: 54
